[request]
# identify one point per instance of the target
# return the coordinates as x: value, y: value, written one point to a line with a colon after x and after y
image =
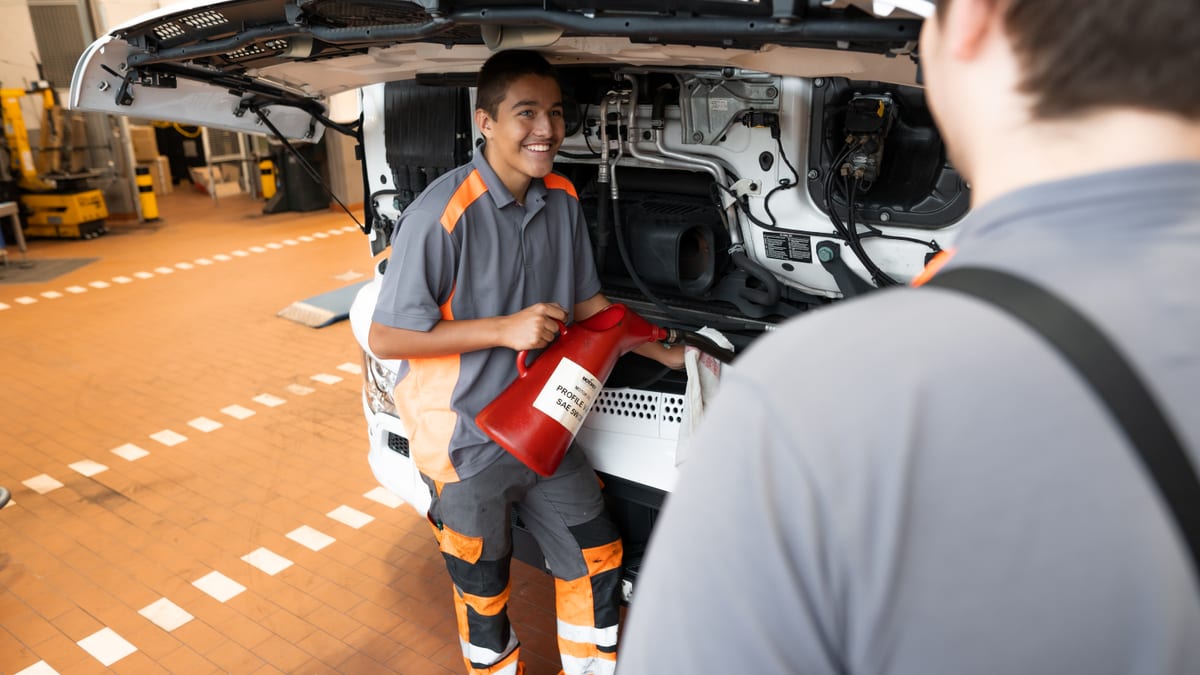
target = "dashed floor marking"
x: 52, y: 295
x: 184, y: 265
x: 76, y: 289
x: 350, y: 228
x: 203, y: 261
x: 384, y: 496
x: 240, y: 253
x: 274, y: 245
x: 352, y: 368
x: 168, y: 438
x: 320, y: 235
x: 324, y: 378
x: 165, y: 614
x: 268, y: 561
x: 25, y: 300
x: 299, y: 389
x: 221, y: 257
x: 39, y: 668
x: 337, y: 233
x: 219, y: 586
x: 130, y: 452
x: 348, y: 516
x: 106, y: 646
x: 88, y: 467
x: 204, y: 424
x: 143, y: 275
x: 99, y: 284
x: 237, y: 412
x: 41, y: 484
x: 291, y: 242
x: 3, y: 306
x: 269, y: 400
x: 123, y: 280
x: 164, y: 270
x: 310, y: 538
x: 257, y: 249
x: 305, y: 238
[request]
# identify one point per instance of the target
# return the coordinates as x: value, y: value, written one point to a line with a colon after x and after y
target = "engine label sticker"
x: 568, y: 395
x: 784, y: 246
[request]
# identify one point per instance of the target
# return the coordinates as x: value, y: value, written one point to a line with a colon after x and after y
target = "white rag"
x: 703, y: 381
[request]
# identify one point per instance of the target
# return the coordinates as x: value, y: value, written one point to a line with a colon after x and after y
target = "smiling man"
x: 486, y: 262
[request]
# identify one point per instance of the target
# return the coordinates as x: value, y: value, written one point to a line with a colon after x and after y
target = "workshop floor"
x: 189, y: 476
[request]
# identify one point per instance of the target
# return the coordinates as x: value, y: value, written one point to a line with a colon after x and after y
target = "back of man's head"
x: 499, y: 71
x: 1077, y: 56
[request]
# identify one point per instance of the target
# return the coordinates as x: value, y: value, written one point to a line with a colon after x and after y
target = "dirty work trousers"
x: 472, y: 520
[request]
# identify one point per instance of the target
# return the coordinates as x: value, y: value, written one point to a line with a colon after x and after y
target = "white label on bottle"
x: 568, y: 395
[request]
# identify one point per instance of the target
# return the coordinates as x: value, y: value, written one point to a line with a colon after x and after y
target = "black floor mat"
x: 36, y: 271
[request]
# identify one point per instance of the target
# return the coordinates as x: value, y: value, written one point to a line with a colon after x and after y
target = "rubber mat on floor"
x: 33, y: 271
x: 323, y: 310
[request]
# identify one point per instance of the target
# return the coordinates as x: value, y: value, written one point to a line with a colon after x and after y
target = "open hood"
x: 248, y: 65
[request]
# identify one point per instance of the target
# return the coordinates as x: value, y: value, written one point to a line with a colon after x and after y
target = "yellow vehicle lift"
x: 57, y: 207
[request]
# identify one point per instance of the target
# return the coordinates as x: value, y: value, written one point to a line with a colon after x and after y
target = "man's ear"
x: 969, y: 24
x: 484, y: 122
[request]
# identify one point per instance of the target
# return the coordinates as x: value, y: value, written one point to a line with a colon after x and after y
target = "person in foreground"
x: 950, y: 496
x: 484, y: 263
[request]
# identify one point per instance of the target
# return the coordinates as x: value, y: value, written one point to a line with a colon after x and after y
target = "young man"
x: 485, y: 263
x: 975, y: 509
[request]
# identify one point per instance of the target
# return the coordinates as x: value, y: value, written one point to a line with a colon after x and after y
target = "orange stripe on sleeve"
x: 468, y: 191
x: 939, y: 261
x: 554, y: 181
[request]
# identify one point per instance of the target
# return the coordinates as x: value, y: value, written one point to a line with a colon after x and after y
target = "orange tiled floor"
x: 104, y: 359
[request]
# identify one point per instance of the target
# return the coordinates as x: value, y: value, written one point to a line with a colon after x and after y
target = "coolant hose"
x: 701, y: 342
x: 766, y: 297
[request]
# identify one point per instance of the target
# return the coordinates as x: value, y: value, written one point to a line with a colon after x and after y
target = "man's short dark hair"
x: 501, y: 70
x: 1076, y: 56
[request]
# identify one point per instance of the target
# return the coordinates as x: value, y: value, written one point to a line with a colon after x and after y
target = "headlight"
x: 378, y: 383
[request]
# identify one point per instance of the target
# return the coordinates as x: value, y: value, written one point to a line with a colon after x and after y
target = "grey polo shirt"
x: 465, y: 249
x: 915, y: 483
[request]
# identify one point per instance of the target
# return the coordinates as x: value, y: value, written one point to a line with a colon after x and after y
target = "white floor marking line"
x: 291, y: 242
x: 76, y: 289
x: 165, y: 614
x: 221, y: 257
x: 257, y: 249
x: 143, y: 275
x: 123, y: 280
x: 320, y: 235
x: 349, y: 228
x: 324, y: 378
x: 240, y: 253
x: 130, y: 452
x: 164, y: 270
x: 384, y: 496
x: 336, y: 232
x: 41, y: 484
x: 52, y: 295
x: 274, y: 245
x: 348, y: 516
x: 219, y: 586
x: 168, y: 438
x: 25, y: 300
x: 203, y: 261
x: 310, y: 538
x: 184, y: 265
x: 39, y: 668
x: 99, y: 284
x: 237, y: 412
x: 88, y: 467
x: 3, y: 306
x: 268, y: 561
x: 106, y: 646
x: 299, y: 389
x: 269, y: 400
x: 352, y: 368
x: 204, y: 424
x: 305, y: 238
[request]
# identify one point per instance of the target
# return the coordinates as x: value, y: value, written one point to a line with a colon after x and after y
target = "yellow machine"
x: 59, y: 202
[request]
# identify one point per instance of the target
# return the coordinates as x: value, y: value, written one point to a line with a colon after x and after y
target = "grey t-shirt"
x: 466, y: 249
x: 915, y: 483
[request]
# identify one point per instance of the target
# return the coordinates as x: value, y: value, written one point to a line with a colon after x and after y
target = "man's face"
x: 527, y: 131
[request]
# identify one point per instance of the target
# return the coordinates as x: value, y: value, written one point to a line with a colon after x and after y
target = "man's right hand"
x: 533, y: 327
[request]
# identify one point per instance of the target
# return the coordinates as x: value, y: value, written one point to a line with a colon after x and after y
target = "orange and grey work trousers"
x: 472, y: 520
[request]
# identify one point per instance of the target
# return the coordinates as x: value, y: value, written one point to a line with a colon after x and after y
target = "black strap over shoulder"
x: 1109, y: 374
